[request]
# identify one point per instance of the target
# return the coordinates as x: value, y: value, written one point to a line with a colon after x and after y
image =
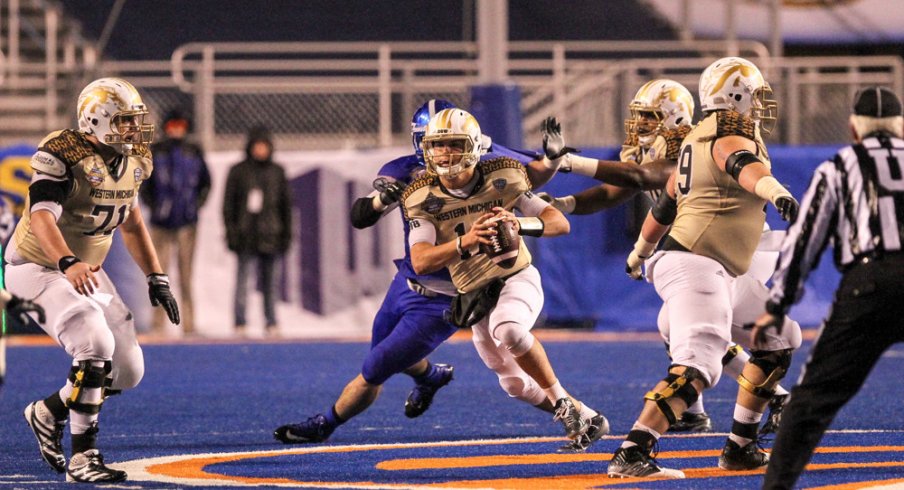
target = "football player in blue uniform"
x: 410, y: 323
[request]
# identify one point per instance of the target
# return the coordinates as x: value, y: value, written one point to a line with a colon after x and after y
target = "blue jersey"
x: 409, y: 167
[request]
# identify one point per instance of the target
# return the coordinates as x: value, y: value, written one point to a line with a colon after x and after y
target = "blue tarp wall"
x: 583, y: 272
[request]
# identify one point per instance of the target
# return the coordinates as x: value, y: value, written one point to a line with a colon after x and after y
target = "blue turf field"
x: 227, y: 398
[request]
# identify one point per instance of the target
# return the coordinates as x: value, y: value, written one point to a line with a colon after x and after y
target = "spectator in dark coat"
x: 257, y: 213
x: 175, y: 192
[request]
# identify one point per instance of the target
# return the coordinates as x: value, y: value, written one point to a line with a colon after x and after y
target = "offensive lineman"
x: 448, y: 212
x: 84, y: 187
x: 661, y: 116
x: 714, y: 202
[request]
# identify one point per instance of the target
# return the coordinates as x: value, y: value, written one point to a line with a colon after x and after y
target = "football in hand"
x: 506, y: 244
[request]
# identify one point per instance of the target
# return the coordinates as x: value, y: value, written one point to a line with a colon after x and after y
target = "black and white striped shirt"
x: 856, y: 201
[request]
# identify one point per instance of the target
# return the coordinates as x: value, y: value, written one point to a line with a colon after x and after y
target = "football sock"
x: 56, y: 406
x: 745, y: 425
x: 431, y: 376
x: 642, y: 436
x: 333, y: 419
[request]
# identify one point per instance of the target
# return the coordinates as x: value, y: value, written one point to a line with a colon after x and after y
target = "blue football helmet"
x: 420, y: 119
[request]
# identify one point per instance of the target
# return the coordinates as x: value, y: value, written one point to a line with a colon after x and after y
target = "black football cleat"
x: 314, y: 429
x: 422, y: 394
x: 634, y: 462
x: 737, y: 458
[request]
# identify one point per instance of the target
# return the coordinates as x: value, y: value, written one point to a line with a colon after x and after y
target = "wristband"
x: 582, y: 165
x: 67, y: 262
x: 378, y: 204
x: 530, y: 226
x: 770, y: 189
x: 565, y: 204
x: 157, y: 278
x: 643, y: 248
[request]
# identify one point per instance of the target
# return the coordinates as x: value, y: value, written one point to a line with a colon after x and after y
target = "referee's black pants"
x: 867, y: 317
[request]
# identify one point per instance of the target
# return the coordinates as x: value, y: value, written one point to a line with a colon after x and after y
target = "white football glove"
x: 565, y: 204
x: 642, y: 251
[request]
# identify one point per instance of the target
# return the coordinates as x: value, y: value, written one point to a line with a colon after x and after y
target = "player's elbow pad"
x: 363, y: 214
x: 665, y: 209
x: 736, y: 162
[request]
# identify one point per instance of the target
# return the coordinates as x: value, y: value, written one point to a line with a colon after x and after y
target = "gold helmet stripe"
x: 745, y: 70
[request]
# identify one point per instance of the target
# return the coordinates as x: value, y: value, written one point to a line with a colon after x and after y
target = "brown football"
x: 506, y: 244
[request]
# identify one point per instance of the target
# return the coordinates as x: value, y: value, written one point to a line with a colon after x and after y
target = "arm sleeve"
x: 806, y: 238
x: 48, y: 192
x: 530, y: 204
x: 421, y: 230
x: 363, y: 214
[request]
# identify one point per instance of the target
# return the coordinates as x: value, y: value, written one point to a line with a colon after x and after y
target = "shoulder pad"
x: 487, y: 167
x: 46, y: 163
x: 729, y: 123
x: 673, y: 139
x: 68, y: 146
x: 502, y: 163
x: 425, y: 180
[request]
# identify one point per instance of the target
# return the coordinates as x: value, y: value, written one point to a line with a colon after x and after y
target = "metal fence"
x: 342, y: 95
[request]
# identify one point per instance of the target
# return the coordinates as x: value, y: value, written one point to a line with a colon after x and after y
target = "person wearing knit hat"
x: 257, y: 212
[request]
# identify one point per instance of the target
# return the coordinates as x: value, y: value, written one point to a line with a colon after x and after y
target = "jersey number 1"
x: 460, y: 231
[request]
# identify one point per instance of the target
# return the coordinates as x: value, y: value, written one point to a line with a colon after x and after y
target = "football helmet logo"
x: 659, y: 104
x: 111, y: 110
x: 421, y: 118
x: 458, y: 134
x: 737, y: 85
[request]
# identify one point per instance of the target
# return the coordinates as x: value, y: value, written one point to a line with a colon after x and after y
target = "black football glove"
x: 19, y: 308
x: 390, y: 191
x: 787, y: 207
x: 553, y: 141
x: 160, y: 294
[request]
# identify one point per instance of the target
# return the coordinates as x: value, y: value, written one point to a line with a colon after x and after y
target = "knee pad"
x: 678, y: 386
x: 515, y: 337
x: 774, y: 365
x: 522, y: 388
x: 85, y: 376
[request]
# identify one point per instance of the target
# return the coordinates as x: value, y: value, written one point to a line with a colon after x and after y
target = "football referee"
x: 856, y: 200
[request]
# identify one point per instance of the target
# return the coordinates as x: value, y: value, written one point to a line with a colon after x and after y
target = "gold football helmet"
x: 111, y: 110
x: 657, y: 105
x: 459, y: 133
x: 737, y: 85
